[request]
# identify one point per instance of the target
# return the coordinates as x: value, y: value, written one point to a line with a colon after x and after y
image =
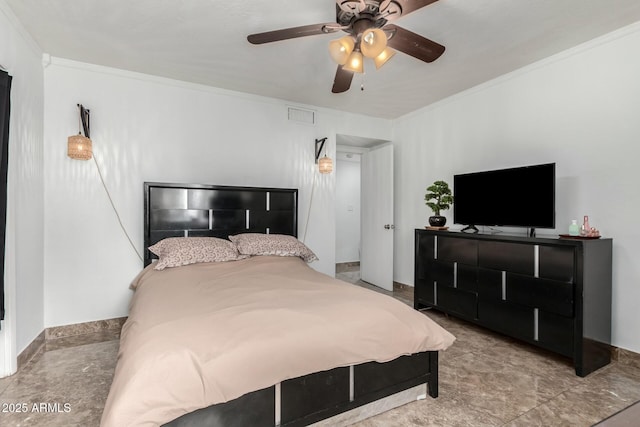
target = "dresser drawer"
x: 557, y: 263
x: 548, y: 295
x: 454, y: 275
x: 508, y: 318
x: 457, y: 301
x: 556, y: 333
x: 457, y: 250
x: 467, y: 277
x: 424, y: 291
x: 425, y: 247
x: 423, y: 269
x: 442, y: 272
x: 489, y: 284
x: 513, y: 257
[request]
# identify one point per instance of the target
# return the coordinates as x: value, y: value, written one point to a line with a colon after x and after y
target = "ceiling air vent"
x: 301, y: 115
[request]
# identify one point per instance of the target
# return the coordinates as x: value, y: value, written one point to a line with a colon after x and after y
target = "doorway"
x: 351, y: 222
x: 348, y: 215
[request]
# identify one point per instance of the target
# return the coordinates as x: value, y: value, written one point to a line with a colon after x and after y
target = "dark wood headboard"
x: 180, y: 210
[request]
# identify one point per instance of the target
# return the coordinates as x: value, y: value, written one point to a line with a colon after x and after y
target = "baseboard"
x: 37, y: 346
x: 397, y: 286
x: 400, y: 289
x: 626, y: 357
x: 84, y: 328
x: 342, y: 267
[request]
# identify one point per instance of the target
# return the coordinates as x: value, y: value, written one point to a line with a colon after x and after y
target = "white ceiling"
x: 204, y: 41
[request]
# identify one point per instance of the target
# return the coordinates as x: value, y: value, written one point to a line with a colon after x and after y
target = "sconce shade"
x: 325, y: 164
x: 382, y: 59
x: 341, y: 49
x: 79, y: 147
x: 355, y: 62
x: 374, y: 40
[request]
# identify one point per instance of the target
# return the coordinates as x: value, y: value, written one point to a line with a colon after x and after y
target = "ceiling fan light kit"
x: 382, y: 59
x: 374, y: 41
x: 368, y: 35
x: 341, y: 49
x: 355, y: 63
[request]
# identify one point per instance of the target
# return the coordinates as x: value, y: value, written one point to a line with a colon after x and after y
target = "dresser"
x: 550, y: 292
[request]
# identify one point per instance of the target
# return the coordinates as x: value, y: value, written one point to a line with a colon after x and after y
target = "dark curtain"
x: 5, y: 107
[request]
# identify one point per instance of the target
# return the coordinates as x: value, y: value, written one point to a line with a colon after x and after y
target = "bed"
x: 283, y: 354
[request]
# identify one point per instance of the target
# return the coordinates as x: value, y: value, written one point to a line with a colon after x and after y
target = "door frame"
x: 344, y: 147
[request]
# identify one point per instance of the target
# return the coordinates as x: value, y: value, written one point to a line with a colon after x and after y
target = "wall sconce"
x: 325, y: 164
x: 79, y: 147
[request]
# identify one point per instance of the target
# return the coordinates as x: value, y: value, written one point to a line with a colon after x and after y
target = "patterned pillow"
x: 177, y: 251
x: 272, y: 244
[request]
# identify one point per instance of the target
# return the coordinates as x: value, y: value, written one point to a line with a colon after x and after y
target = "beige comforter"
x: 208, y: 333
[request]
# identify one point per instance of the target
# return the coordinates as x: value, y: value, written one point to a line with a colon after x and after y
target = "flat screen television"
x: 515, y: 197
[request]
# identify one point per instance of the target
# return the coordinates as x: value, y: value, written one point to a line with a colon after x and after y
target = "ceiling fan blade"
x: 413, y: 44
x: 342, y: 81
x: 406, y: 6
x: 292, y: 33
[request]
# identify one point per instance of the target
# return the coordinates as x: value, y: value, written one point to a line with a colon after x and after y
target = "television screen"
x: 516, y: 197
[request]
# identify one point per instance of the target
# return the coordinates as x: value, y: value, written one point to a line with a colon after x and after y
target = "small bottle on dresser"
x: 574, y: 228
x: 584, y: 231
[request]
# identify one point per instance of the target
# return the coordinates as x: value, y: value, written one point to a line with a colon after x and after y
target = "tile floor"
x: 485, y: 380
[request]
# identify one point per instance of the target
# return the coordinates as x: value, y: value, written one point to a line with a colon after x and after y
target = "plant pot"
x: 437, y: 221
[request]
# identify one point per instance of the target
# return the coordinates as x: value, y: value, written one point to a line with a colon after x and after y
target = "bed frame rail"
x: 315, y: 397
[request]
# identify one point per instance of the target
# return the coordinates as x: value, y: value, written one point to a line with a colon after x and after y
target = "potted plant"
x: 438, y: 198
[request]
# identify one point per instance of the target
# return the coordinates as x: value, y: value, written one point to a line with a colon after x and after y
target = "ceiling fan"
x: 369, y: 34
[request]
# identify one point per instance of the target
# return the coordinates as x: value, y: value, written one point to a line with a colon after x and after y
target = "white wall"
x: 578, y: 109
x: 151, y: 129
x: 347, y: 210
x: 20, y: 56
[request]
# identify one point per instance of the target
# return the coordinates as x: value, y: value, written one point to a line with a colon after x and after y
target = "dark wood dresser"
x: 550, y: 292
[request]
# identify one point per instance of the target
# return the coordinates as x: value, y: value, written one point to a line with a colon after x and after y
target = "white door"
x: 376, y: 207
